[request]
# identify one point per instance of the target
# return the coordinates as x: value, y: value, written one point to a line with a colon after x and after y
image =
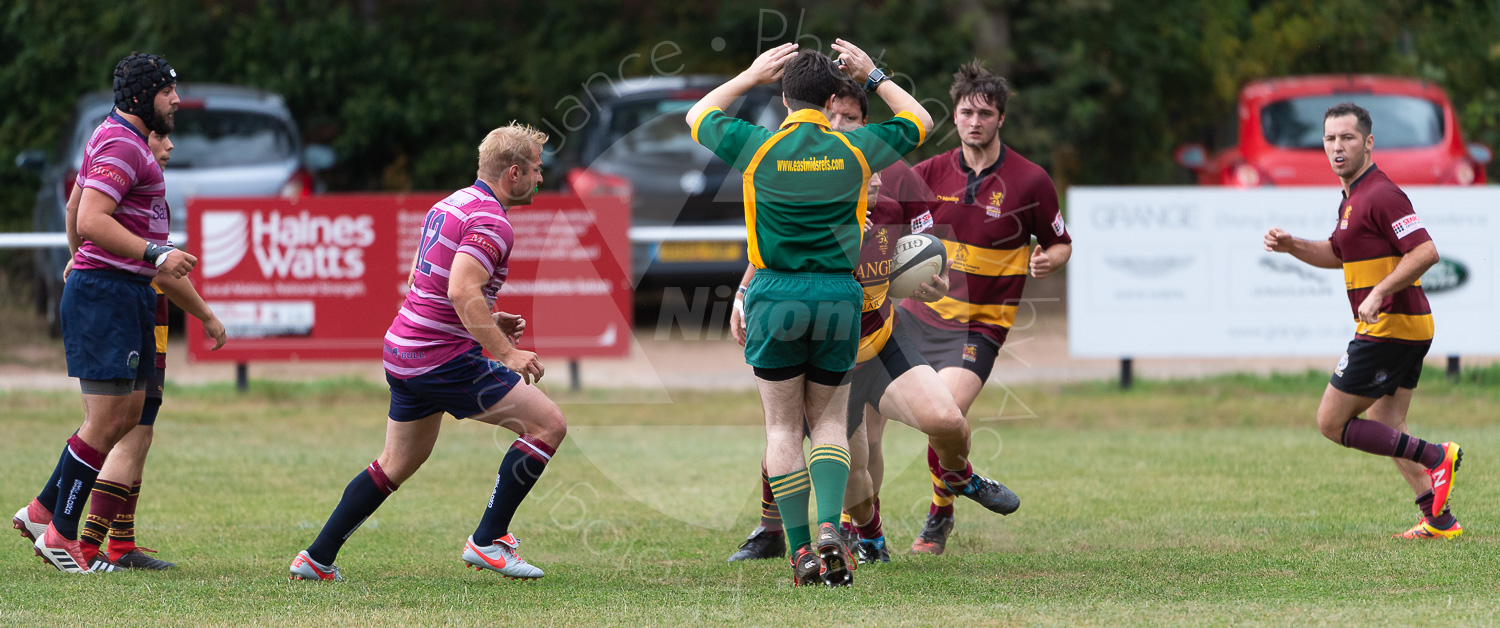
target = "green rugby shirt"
x: 804, y: 184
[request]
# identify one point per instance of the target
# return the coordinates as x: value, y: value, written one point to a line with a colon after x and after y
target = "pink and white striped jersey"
x: 427, y: 331
x: 117, y: 161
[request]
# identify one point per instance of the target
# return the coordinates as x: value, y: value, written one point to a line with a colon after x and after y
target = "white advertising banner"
x: 1181, y: 272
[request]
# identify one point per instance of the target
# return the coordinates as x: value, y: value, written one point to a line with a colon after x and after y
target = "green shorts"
x: 794, y: 319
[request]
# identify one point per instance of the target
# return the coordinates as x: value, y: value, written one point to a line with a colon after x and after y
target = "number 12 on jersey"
x: 430, y: 234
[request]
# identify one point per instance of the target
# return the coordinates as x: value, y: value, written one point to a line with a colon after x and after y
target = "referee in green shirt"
x: 805, y: 203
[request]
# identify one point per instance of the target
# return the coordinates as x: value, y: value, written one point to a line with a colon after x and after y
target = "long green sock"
x: 829, y: 468
x: 791, y: 499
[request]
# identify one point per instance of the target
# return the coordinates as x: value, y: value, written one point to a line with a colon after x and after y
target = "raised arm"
x: 858, y: 65
x: 766, y: 69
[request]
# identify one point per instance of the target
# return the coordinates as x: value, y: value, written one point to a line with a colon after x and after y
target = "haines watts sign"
x: 322, y: 277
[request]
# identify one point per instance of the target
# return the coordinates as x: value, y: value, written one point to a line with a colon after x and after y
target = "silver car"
x: 230, y: 141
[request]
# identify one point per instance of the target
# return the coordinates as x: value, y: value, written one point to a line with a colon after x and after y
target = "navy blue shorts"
x: 109, y: 325
x: 463, y: 387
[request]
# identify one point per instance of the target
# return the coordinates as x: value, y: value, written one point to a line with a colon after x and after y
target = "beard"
x: 163, y: 123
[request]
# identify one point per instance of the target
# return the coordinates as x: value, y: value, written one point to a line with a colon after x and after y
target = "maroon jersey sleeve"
x: 1396, y: 220
x: 919, y: 201
x: 901, y: 184
x: 1046, y: 219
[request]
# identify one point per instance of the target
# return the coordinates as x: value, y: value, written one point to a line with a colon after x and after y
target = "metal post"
x: 574, y: 383
x: 241, y: 376
x: 1126, y: 376
x: 1453, y: 368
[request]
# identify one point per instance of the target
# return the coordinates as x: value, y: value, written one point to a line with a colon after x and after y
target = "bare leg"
x: 784, y: 412
x: 107, y: 419
x: 874, y: 425
x: 963, y: 384
x: 407, y: 446
x: 528, y: 411
x: 918, y: 399
x: 1336, y: 409
x: 128, y: 459
x: 859, y: 494
x: 828, y: 414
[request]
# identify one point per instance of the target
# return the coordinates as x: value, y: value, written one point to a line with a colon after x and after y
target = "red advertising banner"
x: 322, y: 277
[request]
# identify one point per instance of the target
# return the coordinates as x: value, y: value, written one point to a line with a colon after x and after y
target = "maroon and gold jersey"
x: 901, y: 198
x: 1376, y: 226
x: 986, y: 220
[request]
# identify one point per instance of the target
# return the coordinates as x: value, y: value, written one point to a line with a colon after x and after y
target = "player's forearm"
x: 1059, y: 254
x: 1408, y: 270
x: 899, y: 101
x: 103, y: 230
x: 1317, y: 253
x: 474, y: 311
x: 749, y: 274
x: 722, y: 96
x: 181, y: 291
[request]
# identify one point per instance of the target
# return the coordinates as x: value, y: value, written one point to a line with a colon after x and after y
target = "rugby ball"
x: 918, y: 258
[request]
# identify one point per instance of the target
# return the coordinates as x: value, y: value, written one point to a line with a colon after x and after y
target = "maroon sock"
x: 122, y: 531
x: 871, y: 530
x: 942, y: 498
x: 1374, y: 437
x: 770, y: 515
x: 1443, y: 521
x: 105, y: 503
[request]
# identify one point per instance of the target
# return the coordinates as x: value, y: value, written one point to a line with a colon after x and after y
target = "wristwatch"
x: 876, y: 78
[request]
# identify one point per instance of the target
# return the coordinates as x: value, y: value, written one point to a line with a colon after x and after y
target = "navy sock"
x: 364, y: 494
x: 80, y: 468
x: 522, y: 465
x: 48, y: 496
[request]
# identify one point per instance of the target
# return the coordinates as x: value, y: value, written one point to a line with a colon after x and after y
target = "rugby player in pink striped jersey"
x: 434, y: 365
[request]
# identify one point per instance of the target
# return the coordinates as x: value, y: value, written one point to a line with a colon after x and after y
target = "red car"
x: 1279, y: 132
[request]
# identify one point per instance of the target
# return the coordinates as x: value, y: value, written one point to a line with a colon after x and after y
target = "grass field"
x: 1209, y: 502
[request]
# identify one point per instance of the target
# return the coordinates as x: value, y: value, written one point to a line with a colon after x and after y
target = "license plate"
x: 674, y: 252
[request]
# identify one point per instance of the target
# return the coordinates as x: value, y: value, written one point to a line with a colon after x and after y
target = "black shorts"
x: 1376, y: 369
x: 944, y: 348
x: 875, y: 375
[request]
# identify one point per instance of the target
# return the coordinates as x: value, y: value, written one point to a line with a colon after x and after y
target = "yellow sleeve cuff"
x: 911, y: 117
x: 699, y: 122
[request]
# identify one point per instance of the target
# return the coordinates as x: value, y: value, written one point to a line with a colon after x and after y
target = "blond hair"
x: 507, y: 146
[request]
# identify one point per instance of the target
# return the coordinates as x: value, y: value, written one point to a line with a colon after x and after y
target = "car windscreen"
x: 1399, y: 121
x: 650, y: 128
x: 223, y: 138
x: 220, y: 138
